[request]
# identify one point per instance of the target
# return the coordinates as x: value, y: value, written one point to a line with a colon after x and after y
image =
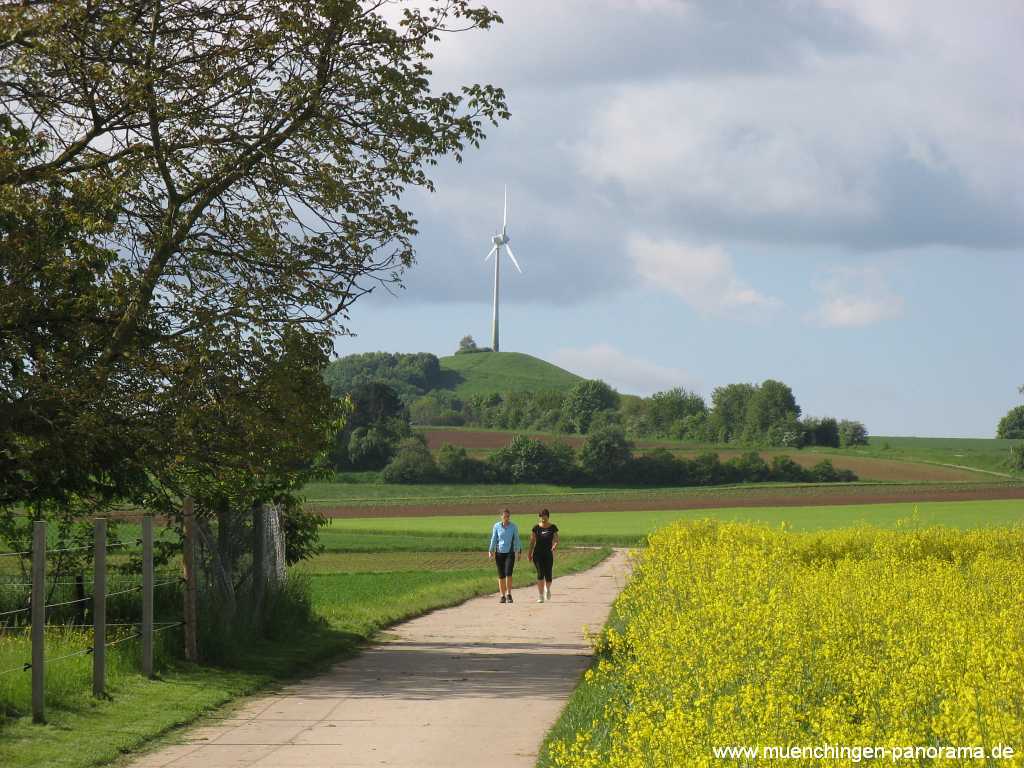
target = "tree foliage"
x: 192, y: 196
x: 586, y: 399
x: 1011, y: 426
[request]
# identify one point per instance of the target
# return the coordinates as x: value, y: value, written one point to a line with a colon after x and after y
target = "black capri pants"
x: 506, y: 562
x: 544, y: 561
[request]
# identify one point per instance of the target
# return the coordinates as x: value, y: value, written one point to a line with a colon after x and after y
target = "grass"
x: 630, y: 528
x: 985, y: 454
x: 487, y: 372
x: 360, y: 585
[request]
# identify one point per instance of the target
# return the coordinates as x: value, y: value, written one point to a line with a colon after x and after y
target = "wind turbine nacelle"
x: 500, y: 239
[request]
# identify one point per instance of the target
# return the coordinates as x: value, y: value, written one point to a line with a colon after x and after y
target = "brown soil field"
x: 733, y: 497
x: 883, y: 470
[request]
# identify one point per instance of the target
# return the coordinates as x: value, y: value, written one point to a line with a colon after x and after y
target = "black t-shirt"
x: 544, y: 537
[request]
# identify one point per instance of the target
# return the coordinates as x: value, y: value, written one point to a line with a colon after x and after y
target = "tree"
x: 821, y: 432
x: 1011, y: 426
x: 525, y: 460
x: 852, y: 433
x: 606, y: 454
x: 729, y: 410
x: 585, y: 399
x: 181, y: 181
x: 771, y: 405
x: 413, y: 463
x: 466, y: 344
x: 665, y: 409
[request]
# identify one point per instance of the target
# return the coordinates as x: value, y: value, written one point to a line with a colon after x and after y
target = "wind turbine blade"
x: 504, y: 216
x: 491, y: 253
x: 513, y: 257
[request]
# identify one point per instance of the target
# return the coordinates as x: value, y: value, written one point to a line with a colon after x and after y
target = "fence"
x: 38, y: 607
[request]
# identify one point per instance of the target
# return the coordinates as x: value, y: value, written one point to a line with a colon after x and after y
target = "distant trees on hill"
x: 409, y: 375
x: 765, y: 414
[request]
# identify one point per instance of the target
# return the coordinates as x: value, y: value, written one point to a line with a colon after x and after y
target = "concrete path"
x: 475, y: 685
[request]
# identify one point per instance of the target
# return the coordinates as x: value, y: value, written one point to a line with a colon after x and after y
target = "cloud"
x: 855, y: 298
x: 704, y: 277
x: 632, y: 375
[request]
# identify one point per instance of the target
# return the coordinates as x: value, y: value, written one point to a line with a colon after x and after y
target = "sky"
x: 825, y: 192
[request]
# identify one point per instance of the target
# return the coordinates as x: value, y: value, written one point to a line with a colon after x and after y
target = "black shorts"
x: 544, y: 561
x: 506, y: 562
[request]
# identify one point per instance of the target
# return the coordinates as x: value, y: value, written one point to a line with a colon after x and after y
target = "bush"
x: 455, y: 466
x: 748, y: 468
x: 824, y: 472
x: 784, y: 469
x: 705, y: 469
x: 852, y: 433
x: 606, y: 455
x: 658, y: 467
x: 412, y: 464
x: 525, y: 460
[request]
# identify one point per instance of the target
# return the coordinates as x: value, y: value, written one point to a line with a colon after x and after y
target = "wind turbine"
x: 499, y: 242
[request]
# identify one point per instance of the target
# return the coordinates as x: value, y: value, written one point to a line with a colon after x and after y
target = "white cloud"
x: 633, y: 375
x: 855, y: 298
x: 703, y: 276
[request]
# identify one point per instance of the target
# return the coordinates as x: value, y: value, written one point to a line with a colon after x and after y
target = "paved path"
x: 475, y: 685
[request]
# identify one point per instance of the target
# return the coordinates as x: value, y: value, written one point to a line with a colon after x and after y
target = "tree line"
x: 606, y: 458
x: 764, y: 414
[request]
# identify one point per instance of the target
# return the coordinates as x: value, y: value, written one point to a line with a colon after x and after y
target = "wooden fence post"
x: 189, y: 564
x: 38, y: 617
x: 99, y: 609
x: 147, y: 595
x: 258, y: 566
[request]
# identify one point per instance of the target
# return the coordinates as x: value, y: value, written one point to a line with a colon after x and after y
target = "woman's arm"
x: 494, y: 543
x: 554, y: 543
x: 533, y: 543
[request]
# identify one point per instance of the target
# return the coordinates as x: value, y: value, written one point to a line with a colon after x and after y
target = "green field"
x: 988, y: 454
x: 630, y: 528
x: 482, y: 373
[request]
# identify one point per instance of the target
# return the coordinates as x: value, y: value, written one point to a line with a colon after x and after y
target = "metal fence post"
x: 147, y: 595
x: 189, y: 564
x: 99, y: 609
x: 38, y: 617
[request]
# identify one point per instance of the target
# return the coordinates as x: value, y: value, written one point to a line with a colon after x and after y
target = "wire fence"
x: 44, y: 602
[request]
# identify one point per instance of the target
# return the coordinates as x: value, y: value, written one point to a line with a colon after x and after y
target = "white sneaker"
x: 540, y: 599
x: 547, y: 594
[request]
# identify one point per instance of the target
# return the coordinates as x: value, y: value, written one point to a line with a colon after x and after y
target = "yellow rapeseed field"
x: 733, y: 635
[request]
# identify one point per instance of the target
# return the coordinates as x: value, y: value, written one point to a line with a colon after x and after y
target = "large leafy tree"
x: 183, y: 181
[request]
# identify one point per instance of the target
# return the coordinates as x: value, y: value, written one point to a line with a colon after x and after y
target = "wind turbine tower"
x: 500, y: 241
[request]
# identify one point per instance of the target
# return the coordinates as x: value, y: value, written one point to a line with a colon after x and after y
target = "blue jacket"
x: 504, y: 539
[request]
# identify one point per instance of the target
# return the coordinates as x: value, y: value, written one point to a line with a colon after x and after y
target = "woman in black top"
x: 543, y: 543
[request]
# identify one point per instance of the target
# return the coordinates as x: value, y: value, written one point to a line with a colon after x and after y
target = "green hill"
x: 485, y: 372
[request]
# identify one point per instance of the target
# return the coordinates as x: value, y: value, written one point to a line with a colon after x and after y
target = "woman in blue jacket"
x: 504, y: 545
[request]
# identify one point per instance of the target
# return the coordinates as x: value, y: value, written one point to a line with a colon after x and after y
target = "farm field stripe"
x: 816, y: 499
